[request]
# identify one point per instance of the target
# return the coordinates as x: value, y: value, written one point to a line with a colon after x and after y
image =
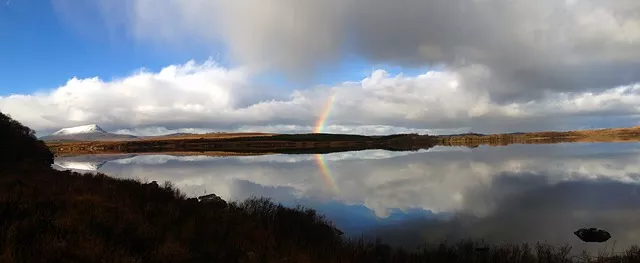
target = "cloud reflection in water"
x: 518, y: 193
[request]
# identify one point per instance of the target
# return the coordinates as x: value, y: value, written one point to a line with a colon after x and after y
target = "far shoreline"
x: 246, y: 144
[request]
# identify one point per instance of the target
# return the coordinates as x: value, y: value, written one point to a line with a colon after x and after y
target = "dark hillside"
x: 20, y: 145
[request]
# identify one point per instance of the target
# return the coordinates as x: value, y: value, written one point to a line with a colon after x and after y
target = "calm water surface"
x: 517, y: 193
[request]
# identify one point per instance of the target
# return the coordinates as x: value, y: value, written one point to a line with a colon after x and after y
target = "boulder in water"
x: 592, y: 235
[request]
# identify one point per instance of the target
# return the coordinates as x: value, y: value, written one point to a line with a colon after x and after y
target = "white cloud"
x: 530, y: 46
x: 206, y: 97
x: 507, y: 65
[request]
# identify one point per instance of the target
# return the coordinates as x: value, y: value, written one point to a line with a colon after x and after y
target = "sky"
x: 152, y: 67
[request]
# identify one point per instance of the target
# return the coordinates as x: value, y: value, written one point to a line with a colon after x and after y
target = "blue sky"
x: 357, y: 219
x: 39, y: 51
x: 494, y: 74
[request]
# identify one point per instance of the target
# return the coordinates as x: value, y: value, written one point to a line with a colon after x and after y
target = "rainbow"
x: 322, y: 163
x: 325, y: 113
x: 326, y: 173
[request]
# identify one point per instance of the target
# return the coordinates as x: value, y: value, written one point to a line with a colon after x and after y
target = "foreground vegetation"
x: 61, y: 216
x: 54, y: 216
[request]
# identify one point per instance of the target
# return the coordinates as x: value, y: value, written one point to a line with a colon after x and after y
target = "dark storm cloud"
x: 529, y: 46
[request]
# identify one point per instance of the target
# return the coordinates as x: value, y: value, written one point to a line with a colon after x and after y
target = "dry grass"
x: 599, y: 135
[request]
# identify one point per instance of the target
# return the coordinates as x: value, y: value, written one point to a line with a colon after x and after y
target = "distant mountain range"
x: 91, y: 132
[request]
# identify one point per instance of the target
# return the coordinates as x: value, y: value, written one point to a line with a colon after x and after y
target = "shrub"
x: 20, y: 145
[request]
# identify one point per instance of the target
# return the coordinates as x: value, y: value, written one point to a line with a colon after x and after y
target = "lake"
x: 515, y: 193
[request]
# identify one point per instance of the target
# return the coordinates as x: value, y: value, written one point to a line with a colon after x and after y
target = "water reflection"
x: 519, y: 193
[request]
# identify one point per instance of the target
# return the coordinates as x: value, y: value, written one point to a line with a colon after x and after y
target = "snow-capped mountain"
x: 91, y: 132
x: 91, y: 128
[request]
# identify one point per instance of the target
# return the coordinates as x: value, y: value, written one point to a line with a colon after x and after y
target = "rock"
x: 592, y: 235
x: 213, y: 199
